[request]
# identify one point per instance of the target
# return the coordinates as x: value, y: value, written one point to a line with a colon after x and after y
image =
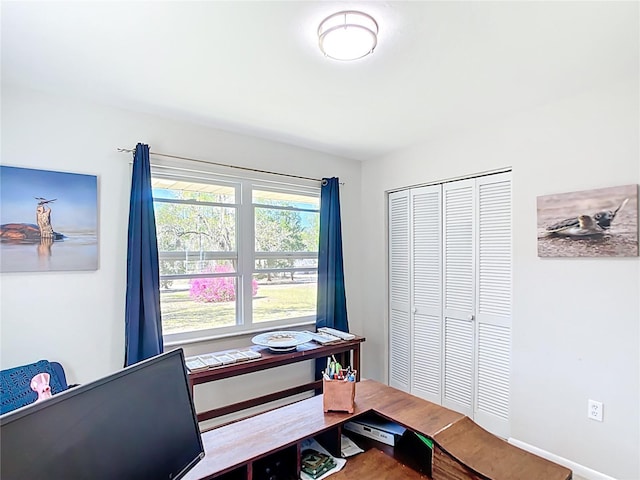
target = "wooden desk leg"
x: 356, y: 361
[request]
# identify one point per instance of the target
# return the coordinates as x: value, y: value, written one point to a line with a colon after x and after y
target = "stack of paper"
x: 348, y: 448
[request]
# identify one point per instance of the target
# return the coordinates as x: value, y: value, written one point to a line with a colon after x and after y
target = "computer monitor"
x: 138, y: 423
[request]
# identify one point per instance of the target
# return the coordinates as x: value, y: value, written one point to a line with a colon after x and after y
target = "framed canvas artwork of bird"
x: 589, y: 223
x: 48, y: 220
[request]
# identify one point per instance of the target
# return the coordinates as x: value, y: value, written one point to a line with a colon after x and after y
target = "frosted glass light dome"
x: 348, y: 35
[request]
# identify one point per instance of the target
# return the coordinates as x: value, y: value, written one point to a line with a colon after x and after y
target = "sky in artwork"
x: 75, y: 207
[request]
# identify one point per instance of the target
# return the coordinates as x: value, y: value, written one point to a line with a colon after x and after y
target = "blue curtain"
x: 143, y: 333
x: 332, y: 301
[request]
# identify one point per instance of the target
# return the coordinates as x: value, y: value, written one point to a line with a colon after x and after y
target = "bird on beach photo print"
x: 589, y: 223
x: 48, y: 220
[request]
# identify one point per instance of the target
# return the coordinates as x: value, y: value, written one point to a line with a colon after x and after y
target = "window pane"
x: 266, y: 197
x: 186, y: 190
x: 285, y: 230
x: 197, y: 304
x: 195, y: 238
x: 284, y: 295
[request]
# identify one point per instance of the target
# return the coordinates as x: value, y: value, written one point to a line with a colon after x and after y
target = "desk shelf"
x: 304, y: 352
x: 462, y: 450
x: 409, y: 452
x: 378, y: 462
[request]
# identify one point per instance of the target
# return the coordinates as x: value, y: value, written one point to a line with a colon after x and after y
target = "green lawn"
x: 180, y: 313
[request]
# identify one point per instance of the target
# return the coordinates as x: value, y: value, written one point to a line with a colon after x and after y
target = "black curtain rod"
x: 128, y: 150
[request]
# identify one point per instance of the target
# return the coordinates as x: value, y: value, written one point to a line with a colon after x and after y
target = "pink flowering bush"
x: 219, y: 289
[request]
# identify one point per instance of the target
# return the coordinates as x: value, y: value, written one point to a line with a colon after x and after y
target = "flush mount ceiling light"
x: 348, y: 35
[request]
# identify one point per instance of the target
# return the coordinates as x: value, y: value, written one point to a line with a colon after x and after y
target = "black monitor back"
x: 138, y: 423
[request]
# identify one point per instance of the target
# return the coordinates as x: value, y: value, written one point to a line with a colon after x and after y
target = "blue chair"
x: 15, y: 383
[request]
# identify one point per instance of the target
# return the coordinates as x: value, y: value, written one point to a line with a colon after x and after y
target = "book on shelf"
x: 316, y: 462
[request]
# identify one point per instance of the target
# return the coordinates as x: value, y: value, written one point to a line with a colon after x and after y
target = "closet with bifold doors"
x: 450, y: 258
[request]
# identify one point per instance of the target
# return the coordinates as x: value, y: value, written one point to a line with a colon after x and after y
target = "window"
x: 234, y: 254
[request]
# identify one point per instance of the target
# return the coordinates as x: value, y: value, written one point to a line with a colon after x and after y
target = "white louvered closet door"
x: 400, y: 357
x: 493, y: 305
x: 426, y: 292
x: 458, y: 356
x: 450, y: 296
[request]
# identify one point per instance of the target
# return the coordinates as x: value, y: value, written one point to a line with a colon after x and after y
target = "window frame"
x: 245, y: 253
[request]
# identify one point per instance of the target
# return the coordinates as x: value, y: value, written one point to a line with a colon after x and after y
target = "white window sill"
x: 237, y: 334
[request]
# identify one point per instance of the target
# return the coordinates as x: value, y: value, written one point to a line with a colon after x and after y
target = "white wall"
x: 77, y: 318
x: 576, y: 321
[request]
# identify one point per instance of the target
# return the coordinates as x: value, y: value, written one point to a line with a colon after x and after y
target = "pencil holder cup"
x: 338, y: 395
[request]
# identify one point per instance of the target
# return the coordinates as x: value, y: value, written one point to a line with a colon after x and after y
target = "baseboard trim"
x: 577, y: 469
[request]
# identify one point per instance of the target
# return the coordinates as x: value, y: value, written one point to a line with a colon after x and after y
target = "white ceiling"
x: 255, y: 68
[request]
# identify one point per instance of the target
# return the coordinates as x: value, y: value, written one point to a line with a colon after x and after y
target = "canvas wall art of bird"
x: 584, y: 226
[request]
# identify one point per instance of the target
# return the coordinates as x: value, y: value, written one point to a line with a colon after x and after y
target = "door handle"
x: 470, y: 317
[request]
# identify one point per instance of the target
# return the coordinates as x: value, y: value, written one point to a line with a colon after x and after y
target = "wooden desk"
x: 462, y: 450
x: 307, y: 351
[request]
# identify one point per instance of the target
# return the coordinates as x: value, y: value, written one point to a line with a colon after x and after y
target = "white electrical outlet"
x: 595, y: 410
